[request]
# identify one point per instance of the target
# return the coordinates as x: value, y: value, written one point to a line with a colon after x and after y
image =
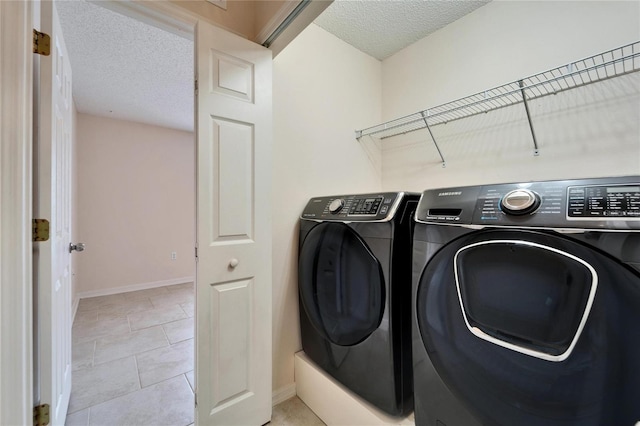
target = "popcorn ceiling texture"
x: 128, y: 70
x: 124, y: 69
x: 380, y: 28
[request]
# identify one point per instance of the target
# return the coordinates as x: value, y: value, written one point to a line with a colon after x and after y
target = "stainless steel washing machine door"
x: 532, y: 328
x: 341, y: 284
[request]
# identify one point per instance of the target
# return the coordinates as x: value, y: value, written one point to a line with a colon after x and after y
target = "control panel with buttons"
x: 617, y: 201
x: 599, y: 203
x: 362, y: 207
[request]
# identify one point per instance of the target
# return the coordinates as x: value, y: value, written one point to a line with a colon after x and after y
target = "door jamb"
x: 16, y: 333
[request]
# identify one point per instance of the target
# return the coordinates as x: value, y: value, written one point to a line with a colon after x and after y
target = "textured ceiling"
x: 124, y: 69
x: 128, y: 70
x: 380, y: 28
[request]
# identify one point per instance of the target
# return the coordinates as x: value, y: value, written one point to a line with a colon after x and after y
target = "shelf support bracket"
x: 526, y: 108
x: 424, y: 117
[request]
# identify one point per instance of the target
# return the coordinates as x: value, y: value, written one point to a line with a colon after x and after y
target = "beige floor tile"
x: 157, y: 316
x: 173, y: 297
x: 122, y: 309
x: 79, y: 418
x: 293, y: 412
x: 185, y: 286
x: 161, y: 364
x: 115, y: 347
x: 105, y: 368
x: 142, y: 294
x: 103, y: 382
x: 188, y: 309
x: 82, y: 355
x: 92, y: 330
x: 91, y: 303
x: 178, y: 331
x: 170, y: 402
x: 89, y: 315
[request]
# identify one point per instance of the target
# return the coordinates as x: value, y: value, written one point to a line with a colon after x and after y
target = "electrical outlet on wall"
x: 174, y: 255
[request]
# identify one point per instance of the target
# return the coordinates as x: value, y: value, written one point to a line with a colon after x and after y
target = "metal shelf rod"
x: 589, y: 70
x: 424, y: 116
x: 526, y: 108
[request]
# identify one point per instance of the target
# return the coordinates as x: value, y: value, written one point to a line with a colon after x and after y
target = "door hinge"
x: 40, y: 230
x: 41, y: 415
x: 196, y: 86
x: 41, y: 43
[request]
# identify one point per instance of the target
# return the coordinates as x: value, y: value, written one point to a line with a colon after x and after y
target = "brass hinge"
x: 41, y: 415
x: 40, y: 229
x: 41, y: 43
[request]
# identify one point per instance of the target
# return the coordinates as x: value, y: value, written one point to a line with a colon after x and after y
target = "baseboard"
x: 74, y: 308
x: 284, y: 393
x: 133, y: 287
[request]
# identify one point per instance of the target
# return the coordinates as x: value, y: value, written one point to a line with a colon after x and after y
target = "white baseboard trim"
x: 74, y: 308
x: 134, y: 287
x: 284, y: 393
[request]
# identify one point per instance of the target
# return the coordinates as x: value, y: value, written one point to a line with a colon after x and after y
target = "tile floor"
x: 133, y: 362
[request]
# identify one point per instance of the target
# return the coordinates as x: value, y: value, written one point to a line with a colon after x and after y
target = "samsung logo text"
x: 449, y: 194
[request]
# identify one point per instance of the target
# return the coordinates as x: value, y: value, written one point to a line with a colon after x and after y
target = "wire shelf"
x: 606, y: 65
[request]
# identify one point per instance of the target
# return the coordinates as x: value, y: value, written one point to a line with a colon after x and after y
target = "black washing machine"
x: 354, y: 282
x: 527, y: 304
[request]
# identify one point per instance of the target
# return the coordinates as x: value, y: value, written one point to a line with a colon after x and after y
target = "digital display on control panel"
x: 606, y: 202
x: 623, y: 188
x: 365, y: 206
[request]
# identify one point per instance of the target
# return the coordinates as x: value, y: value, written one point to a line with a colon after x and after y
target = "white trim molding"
x: 302, y: 21
x: 134, y: 287
x: 222, y: 4
x: 282, y: 394
x: 277, y: 19
x: 163, y: 15
x: 16, y: 336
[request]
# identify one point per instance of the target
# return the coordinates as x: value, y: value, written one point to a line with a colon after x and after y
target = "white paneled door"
x: 233, y: 308
x: 52, y: 201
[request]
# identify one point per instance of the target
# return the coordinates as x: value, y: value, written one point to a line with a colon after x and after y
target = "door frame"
x: 16, y: 179
x: 16, y: 303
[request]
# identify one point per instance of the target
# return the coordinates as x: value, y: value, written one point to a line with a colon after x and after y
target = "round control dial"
x: 336, y: 205
x: 520, y: 202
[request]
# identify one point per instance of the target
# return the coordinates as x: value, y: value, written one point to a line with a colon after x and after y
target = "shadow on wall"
x: 588, y: 131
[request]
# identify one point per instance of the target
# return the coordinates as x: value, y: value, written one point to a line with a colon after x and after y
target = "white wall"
x: 587, y: 132
x: 136, y: 190
x: 323, y: 90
